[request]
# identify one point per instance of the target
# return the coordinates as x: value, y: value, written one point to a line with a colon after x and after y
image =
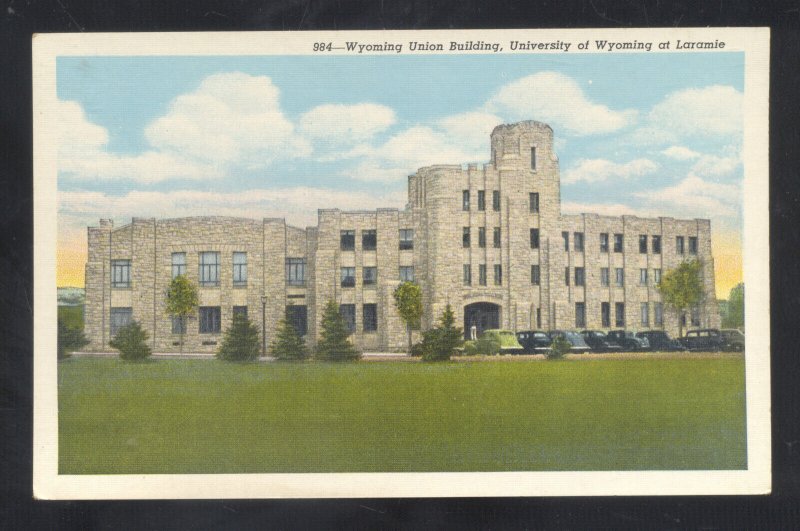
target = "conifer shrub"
x: 241, y: 341
x: 288, y: 345
x: 558, y: 348
x: 131, y: 342
x: 69, y: 340
x: 487, y: 346
x: 439, y: 343
x: 334, y: 344
x: 470, y: 348
x: 416, y: 350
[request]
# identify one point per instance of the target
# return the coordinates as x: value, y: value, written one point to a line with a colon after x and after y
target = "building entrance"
x: 482, y: 315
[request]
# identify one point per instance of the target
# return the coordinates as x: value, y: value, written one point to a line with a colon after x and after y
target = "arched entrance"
x: 482, y: 315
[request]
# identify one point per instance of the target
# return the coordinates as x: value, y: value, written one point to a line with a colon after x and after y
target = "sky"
x: 273, y: 136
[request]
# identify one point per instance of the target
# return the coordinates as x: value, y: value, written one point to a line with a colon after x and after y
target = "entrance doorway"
x: 482, y: 315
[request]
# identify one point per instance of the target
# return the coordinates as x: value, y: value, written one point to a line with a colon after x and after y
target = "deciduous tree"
x: 181, y: 302
x: 408, y: 300
x: 682, y: 288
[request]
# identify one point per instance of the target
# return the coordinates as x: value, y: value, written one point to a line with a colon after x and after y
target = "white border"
x: 49, y: 485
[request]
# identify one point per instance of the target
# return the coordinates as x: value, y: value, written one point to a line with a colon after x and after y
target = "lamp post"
x: 263, y: 326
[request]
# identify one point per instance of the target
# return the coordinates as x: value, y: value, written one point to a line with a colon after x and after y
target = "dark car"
x: 703, y: 339
x: 599, y: 342
x: 628, y: 340
x: 660, y: 341
x: 534, y: 341
x: 733, y: 340
x: 574, y: 339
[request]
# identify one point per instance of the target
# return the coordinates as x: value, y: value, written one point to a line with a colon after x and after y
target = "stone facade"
x: 490, y: 281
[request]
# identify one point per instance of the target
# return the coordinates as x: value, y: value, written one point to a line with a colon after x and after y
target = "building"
x: 489, y: 240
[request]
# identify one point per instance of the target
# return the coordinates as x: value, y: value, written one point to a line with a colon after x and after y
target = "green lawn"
x: 208, y: 416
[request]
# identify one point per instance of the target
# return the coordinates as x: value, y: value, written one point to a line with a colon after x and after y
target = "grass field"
x: 208, y: 416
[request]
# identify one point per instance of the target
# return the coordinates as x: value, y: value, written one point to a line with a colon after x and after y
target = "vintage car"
x: 703, y: 339
x: 733, y: 340
x: 506, y: 338
x: 574, y: 339
x: 628, y: 340
x: 660, y: 341
x: 534, y: 341
x: 598, y: 341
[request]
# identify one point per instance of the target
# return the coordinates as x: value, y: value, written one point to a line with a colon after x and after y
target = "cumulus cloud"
x: 712, y: 110
x: 680, y: 153
x: 596, y: 170
x: 337, y: 123
x: 695, y: 197
x: 471, y: 131
x: 715, y: 166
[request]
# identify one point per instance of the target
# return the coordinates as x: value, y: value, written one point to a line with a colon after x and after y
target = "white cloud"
x: 336, y: 123
x: 694, y: 197
x: 712, y: 110
x: 596, y: 170
x: 714, y: 166
x: 680, y: 153
x: 471, y: 131
x: 75, y: 131
x: 604, y: 209
x: 558, y: 100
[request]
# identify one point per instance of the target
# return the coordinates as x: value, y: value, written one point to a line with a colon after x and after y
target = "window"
x: 296, y: 271
x: 619, y: 276
x: 605, y: 314
x: 656, y: 245
x: 465, y: 200
x: 347, y: 240
x: 656, y: 276
x: 370, y: 317
x: 465, y: 238
x: 580, y: 314
x: 481, y: 200
x: 604, y: 279
x: 297, y: 316
x: 565, y: 235
x: 658, y: 314
x: 178, y: 325
x: 406, y: 239
x: 496, y: 237
x: 370, y: 276
x: 178, y: 264
x: 240, y: 310
x: 566, y: 275
x: 603, y: 242
x: 538, y: 317
x: 498, y: 275
x: 369, y: 240
x: 643, y: 277
x: 481, y: 237
x: 683, y: 318
x: 209, y: 268
x: 348, y: 277
x: 407, y: 273
x: 578, y: 242
x: 692, y: 245
x: 645, y: 311
x: 533, y: 158
x: 209, y: 319
x: 120, y: 273
x: 619, y: 314
x: 482, y: 274
x: 643, y: 243
x: 535, y: 275
x: 534, y: 238
x: 496, y: 200
x: 467, y: 275
x: 679, y: 244
x: 695, y: 314
x: 239, y: 269
x: 120, y: 317
x: 348, y: 313
x: 618, y: 243
x: 533, y: 202
x: 580, y: 276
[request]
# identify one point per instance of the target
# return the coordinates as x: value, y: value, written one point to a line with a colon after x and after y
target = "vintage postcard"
x: 401, y: 263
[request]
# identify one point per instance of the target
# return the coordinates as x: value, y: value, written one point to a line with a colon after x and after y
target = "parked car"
x: 660, y: 341
x: 574, y: 339
x: 598, y: 341
x: 534, y: 341
x: 733, y: 340
x: 506, y: 338
x: 628, y: 340
x: 703, y: 339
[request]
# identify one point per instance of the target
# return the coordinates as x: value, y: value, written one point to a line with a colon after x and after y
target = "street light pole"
x: 263, y: 326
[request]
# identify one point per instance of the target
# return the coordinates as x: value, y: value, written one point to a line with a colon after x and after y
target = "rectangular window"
x: 465, y: 200
x: 658, y: 314
x: 347, y: 240
x: 603, y: 242
x: 605, y: 314
x: 348, y: 313
x: 481, y: 237
x: 566, y: 276
x: 656, y: 276
x: 695, y: 315
x: 656, y: 245
x: 209, y: 268
x: 240, y: 310
x: 370, y: 317
x: 565, y: 236
x: 465, y: 239
x: 297, y: 316
x: 604, y: 278
x: 498, y: 275
x: 467, y: 275
x: 481, y: 200
x: 209, y: 319
x: 620, y: 276
x: 369, y: 240
x: 535, y: 275
x: 370, y: 276
x: 533, y: 202
x: 692, y: 245
x: 618, y: 243
x: 643, y: 276
x: 645, y: 311
x: 496, y: 200
x: 619, y: 314
x: 580, y: 315
x: 348, y: 277
x: 407, y: 273
x: 482, y: 274
x: 679, y: 244
x: 496, y: 237
x: 178, y: 325
x: 296, y: 271
x: 533, y: 158
x: 178, y: 264
x: 643, y: 244
x: 578, y: 242
x: 534, y: 238
x: 120, y: 273
x: 239, y: 269
x: 580, y: 276
x: 406, y: 239
x: 538, y: 317
x: 120, y: 317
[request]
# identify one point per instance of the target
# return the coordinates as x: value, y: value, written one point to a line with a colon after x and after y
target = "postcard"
x: 401, y: 263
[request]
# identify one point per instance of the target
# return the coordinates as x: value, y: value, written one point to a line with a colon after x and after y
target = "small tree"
x: 69, y: 339
x: 682, y: 288
x: 558, y: 348
x: 734, y: 317
x: 288, y: 345
x: 131, y: 341
x: 181, y: 302
x: 240, y: 342
x: 439, y: 343
x: 408, y: 300
x: 333, y: 344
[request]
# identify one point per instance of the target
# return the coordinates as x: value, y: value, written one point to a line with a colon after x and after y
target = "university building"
x: 490, y: 240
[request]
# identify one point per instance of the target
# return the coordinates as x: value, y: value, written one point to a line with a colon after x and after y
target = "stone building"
x: 489, y: 240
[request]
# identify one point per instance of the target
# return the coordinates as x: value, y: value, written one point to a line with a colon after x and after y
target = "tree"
x: 131, y: 341
x: 439, y: 343
x: 181, y: 302
x: 333, y: 344
x: 408, y: 300
x: 69, y: 339
x: 288, y: 345
x: 734, y: 317
x: 558, y: 348
x: 682, y: 288
x: 241, y: 341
